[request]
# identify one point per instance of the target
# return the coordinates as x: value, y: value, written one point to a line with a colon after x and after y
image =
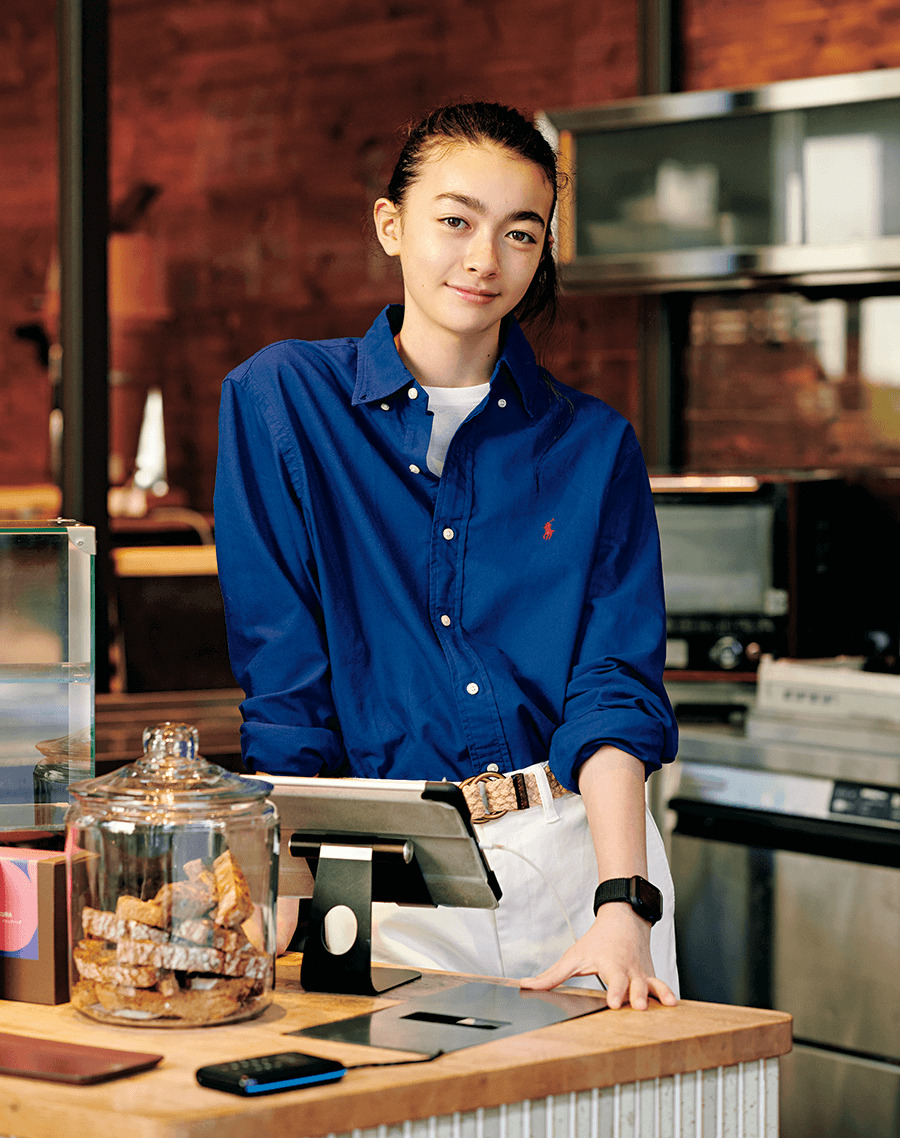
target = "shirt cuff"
x: 634, y: 732
x: 274, y: 748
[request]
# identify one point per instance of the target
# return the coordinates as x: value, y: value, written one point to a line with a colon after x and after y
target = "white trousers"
x: 545, y: 863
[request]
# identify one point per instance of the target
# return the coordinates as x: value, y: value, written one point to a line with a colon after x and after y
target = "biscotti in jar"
x: 172, y: 865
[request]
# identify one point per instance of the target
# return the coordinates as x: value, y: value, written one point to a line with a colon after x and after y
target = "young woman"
x: 439, y: 563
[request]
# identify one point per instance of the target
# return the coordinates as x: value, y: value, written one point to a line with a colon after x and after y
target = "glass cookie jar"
x: 172, y: 877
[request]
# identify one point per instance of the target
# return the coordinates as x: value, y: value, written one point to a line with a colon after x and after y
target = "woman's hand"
x: 287, y: 912
x: 617, y: 949
x: 617, y: 945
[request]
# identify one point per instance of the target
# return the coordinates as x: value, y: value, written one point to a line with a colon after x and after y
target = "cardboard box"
x: 34, y: 926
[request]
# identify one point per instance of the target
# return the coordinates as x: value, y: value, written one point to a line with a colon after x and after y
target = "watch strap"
x: 616, y: 889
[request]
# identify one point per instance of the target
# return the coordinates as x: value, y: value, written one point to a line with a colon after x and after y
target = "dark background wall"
x: 269, y: 129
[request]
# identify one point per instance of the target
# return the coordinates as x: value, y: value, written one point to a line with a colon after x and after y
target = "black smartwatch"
x: 644, y: 898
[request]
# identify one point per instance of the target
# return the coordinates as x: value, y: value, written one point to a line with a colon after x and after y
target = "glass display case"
x: 796, y: 181
x: 46, y: 669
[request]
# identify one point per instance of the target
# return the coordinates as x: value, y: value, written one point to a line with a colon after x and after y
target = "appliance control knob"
x: 727, y: 652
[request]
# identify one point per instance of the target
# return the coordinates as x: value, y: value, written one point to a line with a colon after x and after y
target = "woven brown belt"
x: 491, y: 795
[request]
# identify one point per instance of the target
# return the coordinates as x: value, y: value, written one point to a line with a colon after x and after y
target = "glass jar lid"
x: 171, y: 774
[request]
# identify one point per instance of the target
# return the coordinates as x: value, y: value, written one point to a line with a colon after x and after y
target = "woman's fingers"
x: 621, y: 987
x: 661, y: 990
x: 556, y: 974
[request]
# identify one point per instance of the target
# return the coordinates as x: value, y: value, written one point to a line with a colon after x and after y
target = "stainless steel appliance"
x: 799, y: 566
x: 786, y: 860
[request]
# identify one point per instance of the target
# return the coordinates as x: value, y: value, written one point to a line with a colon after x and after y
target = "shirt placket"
x: 472, y: 687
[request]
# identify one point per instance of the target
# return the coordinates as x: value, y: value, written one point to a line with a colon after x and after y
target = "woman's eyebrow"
x: 479, y: 207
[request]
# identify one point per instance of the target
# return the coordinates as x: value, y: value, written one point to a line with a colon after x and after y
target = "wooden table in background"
x: 697, y: 1070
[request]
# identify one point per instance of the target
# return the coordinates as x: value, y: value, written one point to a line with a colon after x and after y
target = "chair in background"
x: 169, y: 619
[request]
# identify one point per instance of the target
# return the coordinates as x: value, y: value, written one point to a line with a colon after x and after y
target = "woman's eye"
x: 454, y: 222
x: 520, y: 236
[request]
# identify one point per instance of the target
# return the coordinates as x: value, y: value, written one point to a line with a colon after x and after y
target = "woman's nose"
x: 481, y: 255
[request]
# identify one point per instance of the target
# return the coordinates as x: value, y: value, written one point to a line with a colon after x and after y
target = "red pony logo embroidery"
x: 549, y: 531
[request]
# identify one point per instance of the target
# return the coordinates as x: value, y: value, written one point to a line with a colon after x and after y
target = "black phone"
x: 266, y: 1074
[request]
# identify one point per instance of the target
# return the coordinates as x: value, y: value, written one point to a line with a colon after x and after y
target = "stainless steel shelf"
x: 788, y: 95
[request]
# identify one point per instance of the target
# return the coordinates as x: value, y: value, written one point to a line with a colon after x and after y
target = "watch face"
x: 646, y: 899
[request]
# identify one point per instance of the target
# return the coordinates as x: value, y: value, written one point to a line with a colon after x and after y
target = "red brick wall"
x: 736, y: 43
x: 27, y: 219
x: 270, y: 127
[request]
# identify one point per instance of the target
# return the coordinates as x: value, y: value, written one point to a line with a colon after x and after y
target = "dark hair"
x: 477, y: 123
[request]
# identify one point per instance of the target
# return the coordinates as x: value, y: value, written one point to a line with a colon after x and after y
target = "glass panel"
x: 46, y: 669
x: 723, y: 557
x: 851, y: 170
x: 780, y: 381
x: 676, y: 186
x: 879, y: 367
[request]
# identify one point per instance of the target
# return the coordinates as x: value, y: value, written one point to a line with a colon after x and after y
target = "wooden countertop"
x: 597, y: 1050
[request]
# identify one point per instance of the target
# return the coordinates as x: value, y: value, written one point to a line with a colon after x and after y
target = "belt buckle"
x: 488, y: 815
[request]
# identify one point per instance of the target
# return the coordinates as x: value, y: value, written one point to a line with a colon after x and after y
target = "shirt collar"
x: 380, y: 372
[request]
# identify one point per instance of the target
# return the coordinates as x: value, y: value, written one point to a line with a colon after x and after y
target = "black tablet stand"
x: 344, y: 879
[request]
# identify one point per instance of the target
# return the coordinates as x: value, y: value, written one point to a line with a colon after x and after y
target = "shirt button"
x: 492, y: 767
x: 413, y: 393
x: 445, y: 621
x: 449, y: 534
x: 414, y: 468
x: 500, y: 403
x: 472, y: 689
x: 385, y: 406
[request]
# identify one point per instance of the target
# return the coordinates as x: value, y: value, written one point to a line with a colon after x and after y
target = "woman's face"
x: 469, y: 237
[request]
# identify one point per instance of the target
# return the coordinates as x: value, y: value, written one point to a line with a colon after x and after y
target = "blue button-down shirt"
x: 410, y: 626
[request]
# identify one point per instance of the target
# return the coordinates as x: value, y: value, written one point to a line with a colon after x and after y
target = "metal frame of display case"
x: 47, y: 669
x: 788, y: 260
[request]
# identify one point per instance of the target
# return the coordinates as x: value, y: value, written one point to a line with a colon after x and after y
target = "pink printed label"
x: 19, y: 901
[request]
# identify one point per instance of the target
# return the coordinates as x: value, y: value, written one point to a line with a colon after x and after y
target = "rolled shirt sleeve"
x: 615, y: 693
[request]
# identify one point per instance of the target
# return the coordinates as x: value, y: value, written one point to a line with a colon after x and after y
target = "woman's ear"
x: 387, y: 226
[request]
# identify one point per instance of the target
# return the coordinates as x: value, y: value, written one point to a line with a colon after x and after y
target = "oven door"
x: 767, y: 917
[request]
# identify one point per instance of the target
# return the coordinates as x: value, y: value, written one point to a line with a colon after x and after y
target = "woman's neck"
x: 447, y: 360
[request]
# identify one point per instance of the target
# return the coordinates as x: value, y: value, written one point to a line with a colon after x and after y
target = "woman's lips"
x: 474, y: 295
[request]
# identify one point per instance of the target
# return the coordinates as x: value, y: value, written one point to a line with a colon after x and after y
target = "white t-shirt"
x: 449, y: 407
